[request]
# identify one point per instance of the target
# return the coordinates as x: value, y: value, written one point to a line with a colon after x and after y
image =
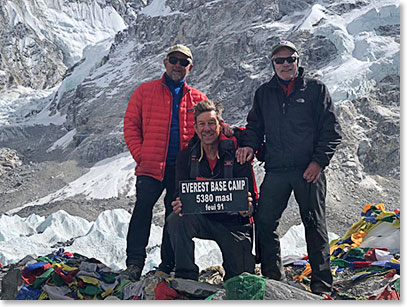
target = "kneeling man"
x: 204, y: 158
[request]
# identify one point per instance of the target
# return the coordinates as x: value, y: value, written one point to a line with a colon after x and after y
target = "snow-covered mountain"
x: 68, y: 68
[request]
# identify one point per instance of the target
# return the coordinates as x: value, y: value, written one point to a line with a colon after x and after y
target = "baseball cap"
x: 283, y: 43
x: 180, y: 48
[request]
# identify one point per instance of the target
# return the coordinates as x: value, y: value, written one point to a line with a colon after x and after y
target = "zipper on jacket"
x: 168, y: 130
x: 169, y: 127
x: 179, y: 119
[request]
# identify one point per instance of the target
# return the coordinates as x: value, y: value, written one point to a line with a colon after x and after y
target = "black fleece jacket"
x: 296, y: 129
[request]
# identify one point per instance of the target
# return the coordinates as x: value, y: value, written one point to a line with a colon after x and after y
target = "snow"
x: 85, y: 31
x: 315, y: 14
x: 157, y: 8
x: 92, y: 55
x: 105, y: 239
x: 64, y: 141
x: 106, y: 179
x: 73, y: 25
x: 21, y: 105
x: 362, y: 52
x: 293, y: 242
x: 375, y: 17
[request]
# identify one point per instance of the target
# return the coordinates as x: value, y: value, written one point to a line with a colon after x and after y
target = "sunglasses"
x: 290, y: 59
x: 173, y: 60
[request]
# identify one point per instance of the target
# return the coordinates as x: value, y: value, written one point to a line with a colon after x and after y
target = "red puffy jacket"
x: 147, y: 124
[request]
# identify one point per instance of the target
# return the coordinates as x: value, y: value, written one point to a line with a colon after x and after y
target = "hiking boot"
x: 132, y: 272
x: 167, y: 269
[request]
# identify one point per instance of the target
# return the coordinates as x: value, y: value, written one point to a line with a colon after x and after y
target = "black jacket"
x: 297, y: 129
x: 226, y: 151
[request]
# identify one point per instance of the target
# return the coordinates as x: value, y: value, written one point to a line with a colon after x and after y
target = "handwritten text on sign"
x: 214, y: 196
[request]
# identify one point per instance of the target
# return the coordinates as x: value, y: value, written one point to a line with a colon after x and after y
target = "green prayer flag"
x: 39, y: 281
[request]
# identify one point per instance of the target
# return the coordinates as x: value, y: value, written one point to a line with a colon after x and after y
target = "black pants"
x: 274, y: 194
x: 234, y: 242
x: 148, y: 191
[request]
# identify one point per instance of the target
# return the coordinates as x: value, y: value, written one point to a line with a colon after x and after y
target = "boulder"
x: 11, y: 282
x: 277, y: 290
x: 193, y: 288
x: 9, y: 159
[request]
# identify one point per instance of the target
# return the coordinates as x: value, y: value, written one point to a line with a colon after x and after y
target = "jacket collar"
x: 203, y: 153
x: 300, y: 82
x: 186, y: 86
x: 225, y: 144
x: 171, y: 83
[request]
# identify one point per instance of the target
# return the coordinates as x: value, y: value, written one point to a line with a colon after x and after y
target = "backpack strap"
x: 195, y: 153
x: 228, y: 147
x: 228, y: 168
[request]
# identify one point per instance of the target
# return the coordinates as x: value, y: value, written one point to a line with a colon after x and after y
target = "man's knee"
x: 310, y: 220
x: 181, y: 224
x: 265, y: 223
x: 173, y: 221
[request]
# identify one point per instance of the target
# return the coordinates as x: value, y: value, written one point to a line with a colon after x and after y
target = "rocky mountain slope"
x: 68, y: 68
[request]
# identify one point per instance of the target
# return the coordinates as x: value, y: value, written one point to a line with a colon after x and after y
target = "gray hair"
x: 208, y: 106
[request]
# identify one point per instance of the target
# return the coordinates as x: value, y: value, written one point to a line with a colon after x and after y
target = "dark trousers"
x: 274, y: 194
x: 234, y: 242
x: 148, y: 191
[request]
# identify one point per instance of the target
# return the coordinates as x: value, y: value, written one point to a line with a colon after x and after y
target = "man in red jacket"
x: 158, y: 123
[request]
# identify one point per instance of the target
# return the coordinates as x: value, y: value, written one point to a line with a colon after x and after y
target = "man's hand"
x: 250, y: 211
x: 177, y: 206
x: 244, y: 154
x: 312, y: 172
x: 226, y: 129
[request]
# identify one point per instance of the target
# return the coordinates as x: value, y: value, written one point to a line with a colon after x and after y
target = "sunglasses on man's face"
x: 173, y: 60
x: 290, y: 59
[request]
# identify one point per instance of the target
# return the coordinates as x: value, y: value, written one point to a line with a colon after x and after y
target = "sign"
x: 214, y: 195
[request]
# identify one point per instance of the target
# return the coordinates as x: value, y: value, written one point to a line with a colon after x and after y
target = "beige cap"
x: 283, y: 43
x: 180, y: 48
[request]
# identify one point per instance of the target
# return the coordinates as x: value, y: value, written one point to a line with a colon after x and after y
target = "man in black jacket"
x: 211, y: 155
x: 294, y: 116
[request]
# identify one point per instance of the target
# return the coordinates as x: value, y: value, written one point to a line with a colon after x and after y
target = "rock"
x: 219, y: 296
x: 343, y: 8
x: 193, y: 288
x: 276, y: 290
x: 213, y: 275
x: 231, y: 41
x: 29, y: 59
x: 150, y: 282
x: 11, y: 282
x: 9, y: 159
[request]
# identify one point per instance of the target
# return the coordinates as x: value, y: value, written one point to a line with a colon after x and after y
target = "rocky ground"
x: 211, y: 282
